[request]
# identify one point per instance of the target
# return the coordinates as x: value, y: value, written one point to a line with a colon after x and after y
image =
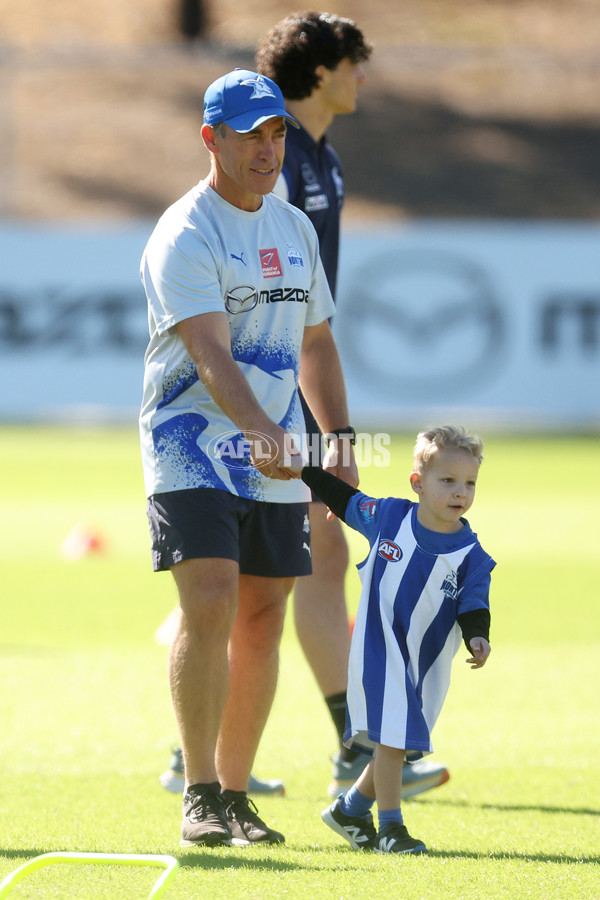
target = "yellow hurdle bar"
x: 108, y: 859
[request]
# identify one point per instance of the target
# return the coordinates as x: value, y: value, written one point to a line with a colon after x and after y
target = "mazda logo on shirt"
x: 241, y: 299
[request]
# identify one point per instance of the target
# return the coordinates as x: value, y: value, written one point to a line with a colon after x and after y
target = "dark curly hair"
x: 292, y: 50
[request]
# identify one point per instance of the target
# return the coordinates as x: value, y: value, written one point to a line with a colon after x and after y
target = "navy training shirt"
x: 313, y: 174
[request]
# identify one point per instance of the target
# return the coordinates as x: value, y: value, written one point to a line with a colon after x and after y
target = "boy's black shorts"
x: 267, y: 539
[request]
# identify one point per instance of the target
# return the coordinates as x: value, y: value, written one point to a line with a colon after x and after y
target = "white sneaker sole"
x: 172, y: 781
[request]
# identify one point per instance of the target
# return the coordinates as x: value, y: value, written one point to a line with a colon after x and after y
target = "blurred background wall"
x: 470, y: 281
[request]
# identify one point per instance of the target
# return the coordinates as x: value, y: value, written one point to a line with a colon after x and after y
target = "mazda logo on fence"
x: 423, y: 324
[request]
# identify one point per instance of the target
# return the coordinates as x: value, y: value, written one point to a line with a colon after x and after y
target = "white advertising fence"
x: 494, y: 324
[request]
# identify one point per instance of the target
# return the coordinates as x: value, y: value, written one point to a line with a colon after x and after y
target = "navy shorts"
x: 266, y: 539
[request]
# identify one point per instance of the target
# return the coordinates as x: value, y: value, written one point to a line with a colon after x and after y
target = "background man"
x: 317, y: 59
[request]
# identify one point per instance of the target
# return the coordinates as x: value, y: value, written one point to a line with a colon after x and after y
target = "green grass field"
x: 87, y: 725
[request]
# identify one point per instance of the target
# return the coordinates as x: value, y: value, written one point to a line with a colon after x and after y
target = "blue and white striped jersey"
x: 415, y: 583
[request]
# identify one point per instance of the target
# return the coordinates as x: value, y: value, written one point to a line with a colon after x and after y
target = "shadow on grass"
x: 206, y: 859
x: 518, y: 807
x: 22, y: 853
x: 560, y: 859
x: 247, y: 859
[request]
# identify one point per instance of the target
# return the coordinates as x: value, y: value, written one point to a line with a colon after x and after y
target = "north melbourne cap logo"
x: 260, y: 87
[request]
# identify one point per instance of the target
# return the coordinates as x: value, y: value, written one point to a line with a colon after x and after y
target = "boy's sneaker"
x: 204, y: 819
x: 173, y: 779
x: 394, y: 838
x: 244, y: 823
x: 359, y: 831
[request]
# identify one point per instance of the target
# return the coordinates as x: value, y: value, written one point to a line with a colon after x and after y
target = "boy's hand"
x: 481, y: 650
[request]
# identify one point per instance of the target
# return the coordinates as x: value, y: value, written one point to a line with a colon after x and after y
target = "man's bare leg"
x: 198, y: 664
x: 320, y: 610
x: 322, y: 626
x: 253, y: 671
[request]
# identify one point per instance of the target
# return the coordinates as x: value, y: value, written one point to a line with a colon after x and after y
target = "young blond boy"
x: 425, y: 583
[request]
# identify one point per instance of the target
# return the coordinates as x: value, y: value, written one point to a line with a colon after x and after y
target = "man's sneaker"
x: 422, y: 776
x: 244, y: 823
x: 416, y: 778
x: 204, y: 819
x: 359, y: 831
x: 344, y: 774
x: 173, y: 779
x: 394, y: 838
x: 268, y: 786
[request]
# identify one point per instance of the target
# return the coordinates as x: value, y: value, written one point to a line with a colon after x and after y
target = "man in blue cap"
x: 238, y: 308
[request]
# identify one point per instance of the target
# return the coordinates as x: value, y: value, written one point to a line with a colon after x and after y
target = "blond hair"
x: 445, y: 437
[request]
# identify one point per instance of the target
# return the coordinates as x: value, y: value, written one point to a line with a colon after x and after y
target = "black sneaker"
x: 245, y: 825
x: 204, y: 819
x: 394, y: 838
x: 359, y: 831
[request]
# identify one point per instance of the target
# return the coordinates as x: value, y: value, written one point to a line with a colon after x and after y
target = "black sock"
x: 211, y: 787
x: 336, y: 704
x: 228, y: 795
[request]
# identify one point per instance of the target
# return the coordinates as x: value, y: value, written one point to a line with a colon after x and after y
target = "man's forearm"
x: 207, y: 340
x: 322, y: 381
x: 228, y: 387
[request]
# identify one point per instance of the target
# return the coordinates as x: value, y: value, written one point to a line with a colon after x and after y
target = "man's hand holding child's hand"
x: 292, y: 465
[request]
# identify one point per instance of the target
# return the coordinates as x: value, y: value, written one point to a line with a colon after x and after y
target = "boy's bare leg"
x: 387, y: 777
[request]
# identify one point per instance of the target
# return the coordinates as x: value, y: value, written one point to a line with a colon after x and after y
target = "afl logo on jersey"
x: 389, y: 550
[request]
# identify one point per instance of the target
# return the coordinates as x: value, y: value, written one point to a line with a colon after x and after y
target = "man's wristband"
x: 347, y: 432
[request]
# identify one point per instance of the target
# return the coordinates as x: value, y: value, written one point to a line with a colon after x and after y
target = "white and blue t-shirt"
x: 415, y: 582
x: 263, y: 270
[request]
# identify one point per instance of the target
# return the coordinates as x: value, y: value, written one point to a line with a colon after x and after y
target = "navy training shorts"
x: 267, y: 539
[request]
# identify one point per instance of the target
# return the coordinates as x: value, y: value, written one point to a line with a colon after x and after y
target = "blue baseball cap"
x: 244, y: 100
